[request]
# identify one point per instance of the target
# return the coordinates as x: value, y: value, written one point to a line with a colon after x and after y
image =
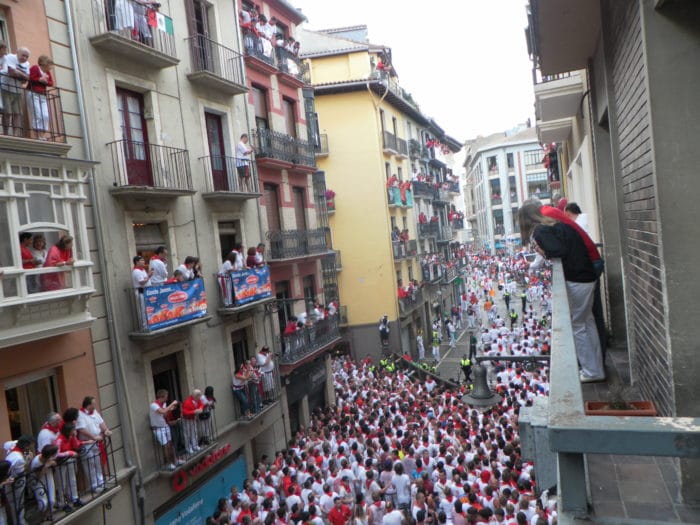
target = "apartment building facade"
x: 636, y: 60
x: 503, y: 170
x: 380, y: 152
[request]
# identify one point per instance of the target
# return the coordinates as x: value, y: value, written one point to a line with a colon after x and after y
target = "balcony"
x: 259, y: 52
x: 444, y: 234
x: 428, y: 229
x: 401, y: 147
x: 389, y: 143
x: 321, y: 148
x: 38, y: 126
x: 273, y: 147
x: 423, y: 190
x: 91, y: 477
x: 307, y: 341
x: 457, y: 224
x: 244, y: 290
x: 295, y: 244
x: 331, y: 262
x: 215, y: 67
x: 252, y: 401
x: 452, y: 187
x: 443, y: 197
x: 165, y: 308
x: 432, y: 272
x: 450, y: 274
x: 410, y: 303
x: 292, y: 66
x: 398, y: 197
x: 404, y: 250
x: 496, y: 200
x: 415, y: 149
x: 230, y: 178
x: 149, y: 170
x: 133, y: 32
x: 28, y: 295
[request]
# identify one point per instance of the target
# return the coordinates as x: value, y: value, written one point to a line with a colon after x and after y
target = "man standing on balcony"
x: 91, y: 427
x: 140, y: 279
x: 158, y: 264
x: 15, y: 75
x: 266, y: 366
x: 243, y: 151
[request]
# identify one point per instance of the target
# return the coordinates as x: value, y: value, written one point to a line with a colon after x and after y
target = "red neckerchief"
x: 17, y: 449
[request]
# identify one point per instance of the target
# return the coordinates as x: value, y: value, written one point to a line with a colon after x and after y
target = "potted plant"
x: 618, y: 405
x: 330, y: 200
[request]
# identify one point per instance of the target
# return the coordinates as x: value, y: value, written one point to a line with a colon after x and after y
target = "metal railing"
x: 443, y: 196
x: 258, y: 47
x: 321, y: 147
x: 407, y: 304
x: 423, y: 189
x: 291, y: 64
x: 432, y: 272
x: 130, y: 20
x: 428, y: 229
x: 50, y: 493
x: 450, y: 274
x: 539, y: 78
x: 20, y: 285
x: 288, y: 244
x: 150, y: 165
x: 276, y: 145
x: 331, y: 262
x: 31, y: 111
x: 457, y: 224
x: 390, y: 141
x: 214, y: 58
x: 444, y: 233
x: 401, y: 147
x: 415, y: 149
x: 262, y: 389
x: 307, y: 340
x: 243, y: 287
x: 343, y: 313
x: 155, y: 308
x: 496, y: 201
x: 183, y: 439
x: 404, y: 250
x: 452, y: 187
x: 571, y: 434
x: 230, y: 174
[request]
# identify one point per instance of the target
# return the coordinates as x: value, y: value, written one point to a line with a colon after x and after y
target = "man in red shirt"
x: 340, y: 514
x: 191, y: 408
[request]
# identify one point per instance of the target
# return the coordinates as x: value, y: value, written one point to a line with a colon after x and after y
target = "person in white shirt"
x: 140, y: 279
x: 243, y: 151
x: 161, y: 430
x: 392, y: 516
x: 266, y: 366
x: 186, y: 268
x: 573, y: 211
x: 15, y: 74
x: 158, y: 264
x: 91, y: 427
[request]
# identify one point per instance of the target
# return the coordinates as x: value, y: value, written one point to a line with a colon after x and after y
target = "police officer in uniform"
x: 506, y: 298
x: 523, y: 298
x: 466, y: 365
x: 513, y: 318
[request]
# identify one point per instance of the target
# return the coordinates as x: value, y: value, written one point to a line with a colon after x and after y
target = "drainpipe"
x: 128, y: 435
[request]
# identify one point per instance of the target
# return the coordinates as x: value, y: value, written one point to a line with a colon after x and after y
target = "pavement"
x: 623, y: 490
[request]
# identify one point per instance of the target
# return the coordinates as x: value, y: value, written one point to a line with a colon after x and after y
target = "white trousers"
x: 583, y: 326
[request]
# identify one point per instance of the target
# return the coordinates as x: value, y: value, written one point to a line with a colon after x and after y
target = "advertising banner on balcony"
x: 171, y: 304
x: 251, y: 285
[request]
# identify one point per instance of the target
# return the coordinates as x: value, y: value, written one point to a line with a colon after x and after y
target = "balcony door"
x: 166, y: 375
x: 289, y: 117
x: 272, y: 207
x: 198, y: 25
x: 299, y: 207
x: 135, y: 137
x: 29, y: 401
x: 217, y: 152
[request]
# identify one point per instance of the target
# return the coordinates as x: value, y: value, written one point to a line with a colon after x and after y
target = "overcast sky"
x: 465, y: 62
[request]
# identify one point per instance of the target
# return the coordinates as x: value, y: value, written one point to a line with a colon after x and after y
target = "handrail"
x: 212, y: 57
x: 150, y: 165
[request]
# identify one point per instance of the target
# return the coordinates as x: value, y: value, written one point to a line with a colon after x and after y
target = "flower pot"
x: 602, y: 408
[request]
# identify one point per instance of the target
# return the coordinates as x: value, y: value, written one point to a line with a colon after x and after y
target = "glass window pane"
x: 77, y: 227
x: 5, y: 237
x: 41, y: 208
x: 22, y: 211
x: 9, y: 287
x: 58, y: 205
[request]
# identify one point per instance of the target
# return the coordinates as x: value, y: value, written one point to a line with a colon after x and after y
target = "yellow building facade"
x: 369, y: 122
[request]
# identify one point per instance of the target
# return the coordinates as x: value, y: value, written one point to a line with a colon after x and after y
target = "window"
x: 309, y: 289
x: 492, y: 165
x: 228, y: 237
x: 260, y: 106
x: 410, y: 272
x: 400, y: 173
x: 533, y: 158
x: 47, y: 203
x: 29, y: 400
x: 405, y: 223
x: 166, y: 375
x: 394, y: 126
x: 393, y: 223
x: 537, y: 185
x: 148, y: 236
x: 272, y: 209
x: 387, y: 170
x: 381, y: 120
x: 289, y: 108
x: 283, y: 295
x: 510, y: 161
x: 398, y: 276
x: 4, y: 34
x: 239, y: 346
x: 299, y: 200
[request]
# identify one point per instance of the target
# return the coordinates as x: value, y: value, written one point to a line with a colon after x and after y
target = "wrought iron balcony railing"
x: 411, y: 302
x: 457, y: 224
x: 390, y: 142
x: 321, y: 147
x: 230, y: 174
x: 428, y: 229
x: 414, y: 149
x: 402, y: 147
x: 257, y: 47
x: 36, y: 111
x: 404, y: 250
x: 423, y: 189
x: 151, y: 166
x: 452, y: 187
x: 291, y: 64
x: 290, y: 244
x: 48, y: 495
x: 253, y: 397
x: 184, y: 439
x: 276, y: 145
x: 432, y: 272
x: 211, y: 57
x: 331, y: 262
x: 307, y: 340
x: 444, y: 233
x: 496, y: 201
x: 450, y: 274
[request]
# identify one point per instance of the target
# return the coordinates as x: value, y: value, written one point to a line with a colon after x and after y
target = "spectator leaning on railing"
x: 158, y: 411
x: 15, y: 77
